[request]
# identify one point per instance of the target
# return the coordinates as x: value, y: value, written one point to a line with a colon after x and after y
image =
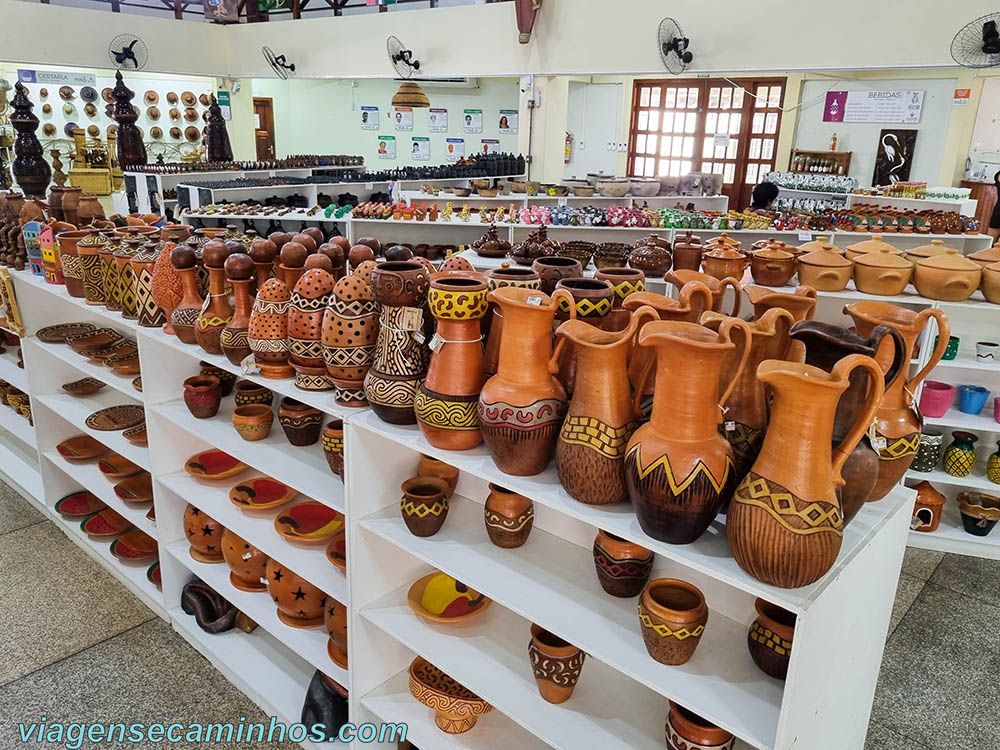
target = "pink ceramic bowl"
x: 936, y: 398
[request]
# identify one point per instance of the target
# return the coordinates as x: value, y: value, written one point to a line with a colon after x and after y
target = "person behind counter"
x: 763, y: 196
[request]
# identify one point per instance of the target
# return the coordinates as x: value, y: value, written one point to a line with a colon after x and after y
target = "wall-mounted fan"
x: 977, y: 44
x: 279, y: 64
x: 673, y: 46
x: 128, y: 52
x: 402, y: 59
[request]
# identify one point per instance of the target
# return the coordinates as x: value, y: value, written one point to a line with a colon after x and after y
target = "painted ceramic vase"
x: 268, y: 331
x: 216, y: 315
x: 335, y: 621
x: 234, y: 338
x: 445, y: 403
x: 305, y: 327
x: 672, y: 617
x: 623, y: 567
x: 248, y: 392
x: 521, y: 408
x: 509, y: 517
x: 202, y: 396
x: 350, y: 330
x: 590, y: 449
x: 299, y: 603
x: 770, y: 638
x: 929, y: 453
x: 493, y: 323
x: 302, y: 423
x: 333, y: 446
x: 109, y: 271
x: 960, y: 456
x: 555, y: 664
x: 980, y: 512
x: 424, y: 505
x: 592, y: 303
x: 184, y: 316
x: 678, y: 468
x: 204, y: 535
x: 253, y: 421
x: 686, y: 730
x: 69, y: 260
x: 785, y: 524
x: 993, y: 466
x: 896, y: 432
x: 142, y: 263
x: 247, y: 564
x: 90, y: 267
x: 433, y: 467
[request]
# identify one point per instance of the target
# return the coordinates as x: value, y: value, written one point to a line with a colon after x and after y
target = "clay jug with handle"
x: 785, y: 524
x: 590, y: 451
x: 681, y: 278
x: 678, y: 468
x: 896, y: 432
x: 801, y: 304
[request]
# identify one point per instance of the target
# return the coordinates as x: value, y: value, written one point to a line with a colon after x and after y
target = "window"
x: 680, y: 126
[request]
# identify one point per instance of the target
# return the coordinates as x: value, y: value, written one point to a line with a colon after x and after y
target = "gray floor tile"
x: 920, y: 563
x: 148, y: 674
x: 880, y: 738
x: 906, y: 593
x: 15, y: 511
x: 939, y: 664
x: 56, y: 601
x: 973, y: 576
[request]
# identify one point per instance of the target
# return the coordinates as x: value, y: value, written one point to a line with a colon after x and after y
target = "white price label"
x: 562, y: 200
x: 730, y: 426
x: 369, y: 186
x: 805, y: 236
x: 536, y: 301
x: 436, y: 343
x: 249, y: 365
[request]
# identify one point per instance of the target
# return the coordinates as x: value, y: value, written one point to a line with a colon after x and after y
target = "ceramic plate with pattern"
x: 136, y: 435
x: 336, y: 551
x: 114, y: 466
x: 261, y: 493
x: 79, y: 504
x: 440, y: 598
x: 83, y: 386
x: 105, y: 525
x: 118, y: 417
x: 309, y: 522
x: 135, y: 546
x: 153, y: 575
x: 89, y: 341
x: 57, y: 334
x: 136, y: 489
x: 81, y: 448
x: 213, y: 464
x: 137, y: 384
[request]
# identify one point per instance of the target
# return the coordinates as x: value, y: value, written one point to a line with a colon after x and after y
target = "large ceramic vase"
x: 445, y: 404
x: 678, y: 468
x: 90, y: 267
x: 785, y: 524
x: 305, y: 329
x: 150, y: 315
x: 69, y: 260
x: 521, y: 408
x: 746, y: 411
x: 493, y: 323
x: 896, y: 432
x: 592, y: 302
x: 825, y: 346
x: 234, y: 338
x: 268, y: 331
x: 216, y: 314
x: 109, y: 272
x: 185, y: 314
x: 127, y: 296
x: 590, y: 450
x: 401, y: 352
x: 350, y: 330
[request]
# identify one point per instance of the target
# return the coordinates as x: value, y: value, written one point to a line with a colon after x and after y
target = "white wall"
x: 324, y: 116
x: 593, y: 118
x: 862, y: 138
x: 986, y: 134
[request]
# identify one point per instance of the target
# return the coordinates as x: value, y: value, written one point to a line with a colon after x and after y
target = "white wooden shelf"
x: 965, y: 207
x: 17, y: 425
x: 62, y: 352
x: 982, y: 422
x: 9, y: 370
x: 19, y: 468
x: 952, y: 537
x: 977, y: 480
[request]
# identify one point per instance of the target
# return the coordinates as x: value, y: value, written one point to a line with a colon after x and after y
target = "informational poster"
x: 222, y: 97
x: 437, y: 120
x: 56, y: 77
x: 421, y: 148
x: 873, y: 106
x: 473, y: 121
x: 455, y: 149
x: 961, y: 97
x: 508, y: 121
x: 369, y: 118
x: 387, y: 147
x: 403, y: 118
x: 491, y: 146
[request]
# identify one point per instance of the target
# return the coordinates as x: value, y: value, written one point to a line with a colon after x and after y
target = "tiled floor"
x: 74, y: 645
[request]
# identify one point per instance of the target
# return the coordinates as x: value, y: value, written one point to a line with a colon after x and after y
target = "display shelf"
x: 908, y: 297
x: 18, y: 426
x: 552, y: 582
x: 19, y: 468
x: 967, y: 362
x: 804, y: 191
x: 982, y: 422
x: 977, y: 300
x: 257, y: 527
x: 304, y: 468
x: 952, y: 537
x: 62, y: 352
x: 109, y: 318
x: 309, y: 643
x: 10, y: 372
x: 977, y: 480
x: 966, y: 207
x: 319, y: 216
x: 89, y: 477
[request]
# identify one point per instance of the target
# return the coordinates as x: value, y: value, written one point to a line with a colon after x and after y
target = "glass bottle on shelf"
x: 833, y: 142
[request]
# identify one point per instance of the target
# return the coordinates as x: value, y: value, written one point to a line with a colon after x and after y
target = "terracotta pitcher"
x: 681, y: 278
x: 746, y: 411
x: 234, y: 338
x: 896, y: 432
x: 590, y: 451
x: 825, y: 346
x: 801, y: 304
x: 678, y: 468
x: 216, y: 314
x: 785, y: 523
x: 521, y: 408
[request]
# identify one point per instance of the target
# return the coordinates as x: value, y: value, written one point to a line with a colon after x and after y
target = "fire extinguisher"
x: 568, y: 151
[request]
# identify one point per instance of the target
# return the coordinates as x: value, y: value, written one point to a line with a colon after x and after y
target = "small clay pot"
x: 686, y: 730
x: 509, y: 517
x: 551, y: 269
x: 204, y: 535
x: 299, y: 603
x: 433, y: 467
x: 202, y: 395
x: 672, y: 617
x: 302, y: 423
x: 253, y: 421
x: 424, y: 505
x: 400, y: 283
x: 335, y: 620
x: 623, y: 567
x: 248, y: 392
x: 226, y: 379
x: 770, y: 638
x: 333, y: 446
x: 555, y: 663
x: 246, y: 563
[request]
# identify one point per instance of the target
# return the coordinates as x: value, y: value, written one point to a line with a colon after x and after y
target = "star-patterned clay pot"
x: 204, y: 534
x: 299, y: 603
x: 246, y: 563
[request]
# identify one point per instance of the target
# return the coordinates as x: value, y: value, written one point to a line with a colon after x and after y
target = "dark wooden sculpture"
x: 217, y: 146
x: 31, y: 170
x: 130, y: 149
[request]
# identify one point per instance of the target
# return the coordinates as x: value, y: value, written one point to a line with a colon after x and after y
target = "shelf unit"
x: 963, y: 207
x: 840, y: 159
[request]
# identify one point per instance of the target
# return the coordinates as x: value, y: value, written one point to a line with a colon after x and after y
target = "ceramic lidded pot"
x: 217, y: 313
x: 302, y: 423
x: 927, y: 507
x: 825, y: 270
x: 687, y: 252
x: 305, y: 328
x: 949, y: 276
x: 509, y: 517
x: 268, y: 330
x: 874, y: 245
x: 248, y: 392
x: 204, y: 535
x: 672, y: 617
x: 538, y: 244
x: 772, y: 266
x: 246, y: 563
x: 651, y: 255
x: 424, y: 505
x: 299, y: 603
x: 980, y: 512
x: 724, y: 262
x: 253, y: 421
x: 202, y: 396
x: 991, y: 283
x: 685, y: 730
x: 433, y: 467
x: 555, y: 663
x: 333, y: 446
x: 986, y: 257
x: 552, y: 269
x: 622, y: 566
x: 770, y: 638
x: 885, y: 272
x: 927, y: 251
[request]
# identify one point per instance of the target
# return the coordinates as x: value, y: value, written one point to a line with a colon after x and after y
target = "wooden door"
x: 263, y: 114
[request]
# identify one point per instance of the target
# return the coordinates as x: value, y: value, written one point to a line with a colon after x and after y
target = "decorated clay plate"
x: 336, y: 551
x: 89, y: 341
x: 114, y: 466
x: 118, y: 417
x: 79, y: 504
x: 105, y: 525
x: 213, y: 464
x: 135, y: 546
x: 153, y: 575
x: 120, y: 348
x: 262, y: 493
x: 57, y: 334
x: 310, y: 522
x: 83, y: 387
x: 137, y: 384
x: 136, y: 489
x: 136, y: 435
x: 151, y: 514
x: 440, y: 598
x: 81, y: 448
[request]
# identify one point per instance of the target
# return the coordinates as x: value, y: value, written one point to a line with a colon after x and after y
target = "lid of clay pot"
x: 927, y: 495
x: 989, y: 255
x: 928, y: 251
x: 874, y: 245
x: 722, y: 239
x: 827, y: 257
x: 773, y: 252
x: 188, y: 98
x: 724, y: 252
x: 817, y: 244
x: 949, y: 260
x: 885, y: 257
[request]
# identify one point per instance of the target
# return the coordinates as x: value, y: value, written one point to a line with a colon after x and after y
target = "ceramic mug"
x: 951, y: 351
x: 987, y: 351
x: 936, y: 398
x: 972, y: 398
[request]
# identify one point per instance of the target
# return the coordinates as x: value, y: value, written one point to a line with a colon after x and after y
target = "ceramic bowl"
x: 613, y: 188
x: 440, y: 598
